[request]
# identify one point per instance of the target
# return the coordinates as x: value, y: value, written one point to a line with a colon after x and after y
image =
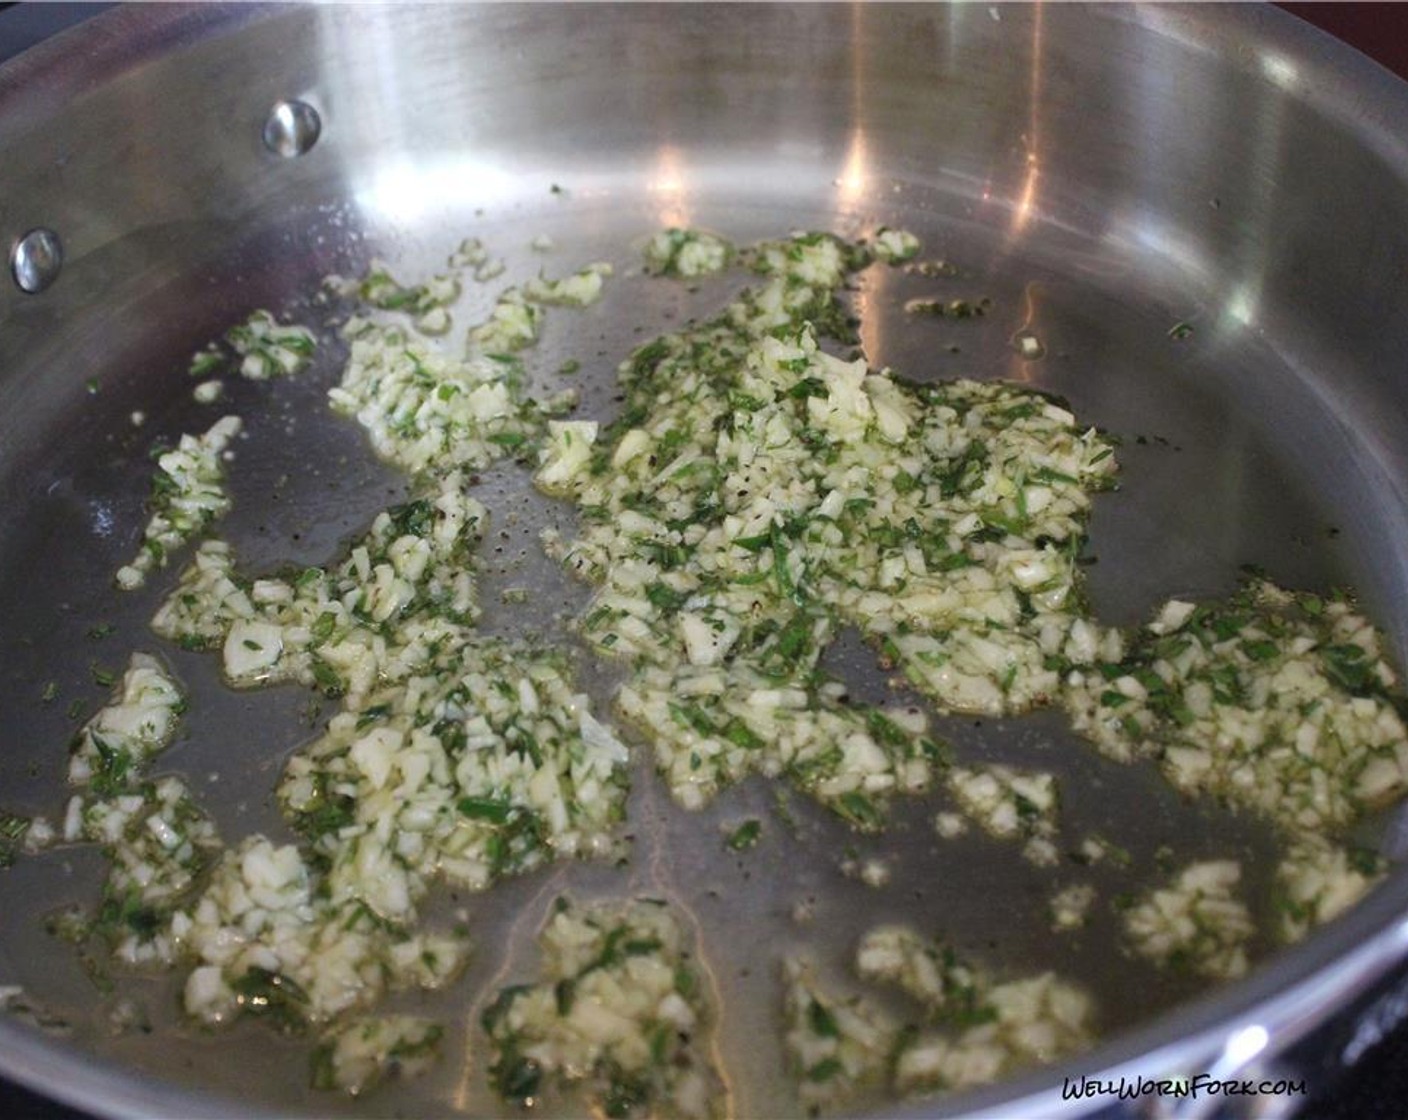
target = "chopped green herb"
x: 745, y: 836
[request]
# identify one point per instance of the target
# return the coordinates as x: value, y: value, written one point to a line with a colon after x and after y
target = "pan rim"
x: 1289, y: 995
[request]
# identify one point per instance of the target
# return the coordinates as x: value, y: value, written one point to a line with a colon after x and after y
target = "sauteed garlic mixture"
x: 760, y: 491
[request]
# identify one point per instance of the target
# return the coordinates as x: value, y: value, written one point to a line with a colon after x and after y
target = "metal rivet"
x: 292, y: 128
x: 36, y: 259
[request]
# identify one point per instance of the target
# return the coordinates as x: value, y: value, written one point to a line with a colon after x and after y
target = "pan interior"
x: 1237, y: 448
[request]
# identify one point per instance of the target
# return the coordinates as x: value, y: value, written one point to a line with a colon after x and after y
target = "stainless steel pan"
x: 1100, y: 173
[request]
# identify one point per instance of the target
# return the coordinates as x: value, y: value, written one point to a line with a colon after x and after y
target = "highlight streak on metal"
x: 709, y: 974
x: 855, y: 172
x: 854, y: 182
x: 854, y: 179
x: 521, y: 932
x: 668, y: 183
x: 1027, y: 200
x: 661, y: 882
x: 1020, y: 368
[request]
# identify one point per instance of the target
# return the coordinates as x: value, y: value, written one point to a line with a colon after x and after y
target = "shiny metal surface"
x: 1101, y: 173
x: 36, y: 260
x: 292, y: 128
